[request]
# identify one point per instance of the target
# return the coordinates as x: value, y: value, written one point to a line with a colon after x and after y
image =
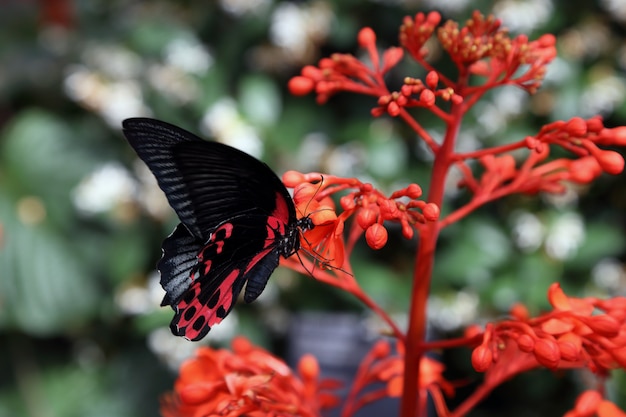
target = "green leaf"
x: 45, y: 287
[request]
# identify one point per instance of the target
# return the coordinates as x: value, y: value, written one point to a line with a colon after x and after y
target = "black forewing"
x: 205, y: 182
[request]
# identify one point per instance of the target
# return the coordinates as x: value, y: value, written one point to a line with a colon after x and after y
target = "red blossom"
x: 370, y: 207
x: 578, y: 332
x: 246, y: 382
x: 591, y: 403
x: 384, y: 364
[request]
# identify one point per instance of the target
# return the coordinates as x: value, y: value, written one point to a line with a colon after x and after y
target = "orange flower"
x: 579, y: 332
x: 247, y: 381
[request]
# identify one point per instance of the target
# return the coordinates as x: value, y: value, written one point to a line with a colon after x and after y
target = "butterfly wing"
x: 233, y: 211
x: 206, y: 181
x: 219, y: 271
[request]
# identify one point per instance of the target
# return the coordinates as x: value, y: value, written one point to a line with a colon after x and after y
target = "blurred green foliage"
x: 81, y: 333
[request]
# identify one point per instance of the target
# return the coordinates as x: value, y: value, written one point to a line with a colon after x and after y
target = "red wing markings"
x: 201, y: 307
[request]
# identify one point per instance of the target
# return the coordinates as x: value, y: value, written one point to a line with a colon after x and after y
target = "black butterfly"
x: 236, y: 219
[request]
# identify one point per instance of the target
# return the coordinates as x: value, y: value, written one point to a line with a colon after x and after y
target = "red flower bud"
x: 603, y: 324
x: 576, y: 127
x: 611, y: 162
x: 300, y: 86
x: 292, y: 178
x: 595, y: 124
x: 432, y: 79
x: 314, y: 73
x: 519, y: 311
x: 366, y: 217
x: 587, y: 403
x: 376, y: 236
x: 366, y: 37
x: 407, y: 231
x: 584, y: 170
x: 569, y: 350
x: 482, y: 358
x: 347, y: 202
x: 526, y: 343
x: 413, y: 191
x: 381, y: 349
x: 427, y: 97
x: 547, y: 353
x: 393, y: 109
x: 615, y: 136
x: 431, y: 212
x: 308, y: 367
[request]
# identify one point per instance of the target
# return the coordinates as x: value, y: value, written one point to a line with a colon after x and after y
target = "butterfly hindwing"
x: 239, y: 250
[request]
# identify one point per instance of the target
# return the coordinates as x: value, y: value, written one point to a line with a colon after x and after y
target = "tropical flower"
x: 247, y: 381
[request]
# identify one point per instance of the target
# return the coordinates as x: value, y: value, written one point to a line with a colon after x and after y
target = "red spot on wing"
x: 281, y: 212
x: 194, y: 318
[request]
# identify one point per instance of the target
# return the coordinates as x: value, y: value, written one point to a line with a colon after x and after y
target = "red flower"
x: 579, y: 332
x: 590, y: 403
x: 246, y: 382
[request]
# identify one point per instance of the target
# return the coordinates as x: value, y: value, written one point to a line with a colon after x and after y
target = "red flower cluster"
x: 369, y: 206
x: 383, y: 364
x: 502, y: 176
x: 246, y: 382
x: 481, y: 47
x: 591, y: 403
x: 578, y: 332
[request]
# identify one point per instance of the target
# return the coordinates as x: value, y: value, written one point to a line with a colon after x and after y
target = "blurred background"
x: 82, y: 220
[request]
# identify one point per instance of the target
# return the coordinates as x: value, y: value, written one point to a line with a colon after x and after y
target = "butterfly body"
x: 237, y: 219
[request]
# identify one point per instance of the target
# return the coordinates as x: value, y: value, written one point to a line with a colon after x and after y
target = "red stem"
x: 412, y: 404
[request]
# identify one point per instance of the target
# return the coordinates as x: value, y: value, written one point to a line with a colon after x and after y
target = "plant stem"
x: 412, y: 404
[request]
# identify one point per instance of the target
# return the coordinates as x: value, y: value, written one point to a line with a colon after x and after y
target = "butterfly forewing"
x: 236, y: 219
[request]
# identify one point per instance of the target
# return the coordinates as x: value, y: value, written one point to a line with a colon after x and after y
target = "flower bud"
x: 519, y: 311
x: 603, y: 325
x: 482, y: 358
x: 292, y: 178
x: 569, y: 350
x: 587, y: 403
x: 366, y: 217
x: 576, y: 127
x: 547, y: 353
x: 300, y: 86
x: 431, y: 212
x: 308, y: 367
x: 366, y: 37
x: 432, y: 79
x: 526, y: 343
x: 376, y: 236
x: 427, y: 97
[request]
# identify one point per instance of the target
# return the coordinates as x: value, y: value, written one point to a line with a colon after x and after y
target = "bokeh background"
x: 81, y: 220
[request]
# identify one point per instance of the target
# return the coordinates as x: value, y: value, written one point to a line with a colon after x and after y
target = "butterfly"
x: 236, y: 220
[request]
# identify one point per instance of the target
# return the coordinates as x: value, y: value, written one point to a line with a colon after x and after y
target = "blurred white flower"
x: 522, y: 16
x: 113, y: 100
x: 603, y: 95
x: 447, y: 6
x: 528, y: 231
x: 294, y: 27
x: 609, y: 274
x: 244, y: 7
x: 564, y: 236
x: 223, y: 122
x: 107, y: 187
x: 452, y: 312
x: 616, y: 8
x: 189, y: 55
